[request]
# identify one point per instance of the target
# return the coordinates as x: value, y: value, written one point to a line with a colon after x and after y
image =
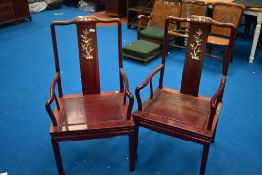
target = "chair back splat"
x: 87, y: 45
x: 195, y: 54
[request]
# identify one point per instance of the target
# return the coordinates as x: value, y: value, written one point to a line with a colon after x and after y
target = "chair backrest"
x: 195, y: 52
x: 226, y: 13
x: 161, y: 10
x: 88, y: 51
x: 189, y: 8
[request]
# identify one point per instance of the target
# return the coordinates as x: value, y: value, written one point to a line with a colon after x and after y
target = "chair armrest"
x: 138, y: 88
x: 52, y: 98
x: 140, y: 17
x: 219, y: 93
x: 214, y: 102
x: 127, y: 93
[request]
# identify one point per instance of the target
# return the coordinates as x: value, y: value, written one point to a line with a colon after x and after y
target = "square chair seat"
x: 177, y: 111
x: 91, y: 112
x: 141, y: 50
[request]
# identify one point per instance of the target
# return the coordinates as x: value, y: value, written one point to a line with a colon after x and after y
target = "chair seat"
x: 174, y: 110
x: 218, y: 41
x: 92, y: 112
x: 153, y: 32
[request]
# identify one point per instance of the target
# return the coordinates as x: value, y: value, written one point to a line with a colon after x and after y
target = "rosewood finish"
x: 184, y: 114
x: 92, y: 114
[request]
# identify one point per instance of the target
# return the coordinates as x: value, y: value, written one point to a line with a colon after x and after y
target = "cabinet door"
x: 7, y: 13
x: 21, y: 9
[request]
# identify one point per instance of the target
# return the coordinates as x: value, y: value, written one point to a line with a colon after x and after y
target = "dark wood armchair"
x: 184, y: 114
x: 92, y: 114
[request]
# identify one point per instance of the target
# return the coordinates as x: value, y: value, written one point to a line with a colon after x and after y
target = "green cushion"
x: 154, y: 32
x: 141, y: 49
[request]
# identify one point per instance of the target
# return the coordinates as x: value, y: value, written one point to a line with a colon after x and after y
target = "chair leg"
x: 132, y: 151
x: 136, y: 141
x: 58, y: 158
x: 204, y: 159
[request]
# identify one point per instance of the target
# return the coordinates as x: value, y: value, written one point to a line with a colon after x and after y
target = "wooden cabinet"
x: 14, y: 11
x: 136, y: 8
x: 116, y: 8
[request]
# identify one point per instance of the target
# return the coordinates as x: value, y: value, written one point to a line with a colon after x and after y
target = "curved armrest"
x: 51, y: 99
x: 144, y: 16
x: 127, y: 93
x: 214, y: 101
x: 140, y: 17
x: 149, y: 78
x: 219, y: 93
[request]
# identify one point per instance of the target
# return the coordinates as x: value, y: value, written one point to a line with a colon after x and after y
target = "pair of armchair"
x: 94, y: 114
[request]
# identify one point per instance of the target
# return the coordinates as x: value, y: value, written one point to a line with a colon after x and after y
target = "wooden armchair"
x: 184, y: 114
x: 188, y: 8
x: 92, y: 114
x: 225, y: 13
x: 154, y: 32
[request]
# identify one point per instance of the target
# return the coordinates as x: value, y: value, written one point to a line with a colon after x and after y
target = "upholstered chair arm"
x: 52, y: 98
x: 148, y: 79
x: 127, y: 93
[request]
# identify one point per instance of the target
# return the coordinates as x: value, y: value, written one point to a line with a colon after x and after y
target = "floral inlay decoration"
x: 196, y: 45
x: 86, y: 45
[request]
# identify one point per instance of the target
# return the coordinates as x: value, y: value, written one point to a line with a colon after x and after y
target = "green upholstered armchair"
x: 154, y: 32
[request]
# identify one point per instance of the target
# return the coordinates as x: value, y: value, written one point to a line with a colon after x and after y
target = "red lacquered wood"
x: 184, y: 114
x: 92, y: 114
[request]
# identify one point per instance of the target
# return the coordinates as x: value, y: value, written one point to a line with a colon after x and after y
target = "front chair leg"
x: 58, y: 158
x: 204, y: 159
x: 132, y: 152
x: 136, y: 141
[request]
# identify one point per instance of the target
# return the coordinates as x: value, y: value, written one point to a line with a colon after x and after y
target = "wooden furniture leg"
x: 58, y: 158
x: 132, y: 152
x: 204, y: 159
x: 136, y: 141
x: 256, y: 36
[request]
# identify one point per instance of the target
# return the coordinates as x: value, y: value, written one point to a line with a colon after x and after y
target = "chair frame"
x: 97, y: 130
x: 149, y: 18
x: 202, y: 136
x: 214, y: 5
x: 182, y: 29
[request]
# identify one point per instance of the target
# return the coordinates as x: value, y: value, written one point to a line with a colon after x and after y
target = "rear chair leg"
x: 58, y: 158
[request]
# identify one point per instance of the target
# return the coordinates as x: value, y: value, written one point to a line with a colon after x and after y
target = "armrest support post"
x: 127, y: 93
x: 215, y: 100
x: 52, y: 98
x: 138, y: 88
